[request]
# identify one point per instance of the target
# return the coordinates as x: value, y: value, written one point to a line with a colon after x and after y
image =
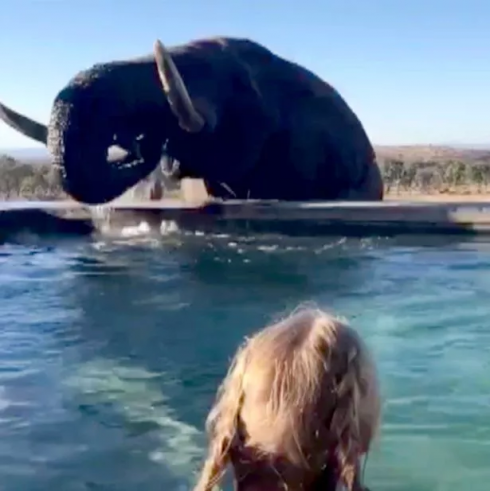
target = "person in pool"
x: 298, y: 409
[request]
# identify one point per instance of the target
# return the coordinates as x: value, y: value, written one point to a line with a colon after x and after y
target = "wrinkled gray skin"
x: 229, y: 111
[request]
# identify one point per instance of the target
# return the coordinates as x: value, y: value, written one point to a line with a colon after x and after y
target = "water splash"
x: 110, y: 225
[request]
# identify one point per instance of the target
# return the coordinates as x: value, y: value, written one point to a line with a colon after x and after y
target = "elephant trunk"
x: 79, y: 147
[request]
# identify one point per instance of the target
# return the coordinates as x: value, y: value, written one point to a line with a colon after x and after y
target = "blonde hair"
x: 297, y: 390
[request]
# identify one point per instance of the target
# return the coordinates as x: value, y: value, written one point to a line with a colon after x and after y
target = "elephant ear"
x: 189, y: 118
x: 24, y: 125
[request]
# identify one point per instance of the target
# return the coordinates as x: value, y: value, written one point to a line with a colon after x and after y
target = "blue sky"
x: 414, y: 71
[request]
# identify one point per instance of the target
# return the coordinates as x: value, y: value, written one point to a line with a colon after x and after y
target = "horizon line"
x: 470, y: 145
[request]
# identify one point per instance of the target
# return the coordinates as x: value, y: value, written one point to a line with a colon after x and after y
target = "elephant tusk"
x: 24, y: 125
x: 39, y: 132
x: 176, y: 92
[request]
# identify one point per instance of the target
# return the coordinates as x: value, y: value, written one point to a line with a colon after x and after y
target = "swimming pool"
x: 111, y: 351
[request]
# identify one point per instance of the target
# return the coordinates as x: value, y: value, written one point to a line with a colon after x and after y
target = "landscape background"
x: 409, y: 170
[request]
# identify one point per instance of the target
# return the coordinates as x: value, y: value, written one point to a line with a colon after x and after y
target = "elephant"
x: 248, y: 122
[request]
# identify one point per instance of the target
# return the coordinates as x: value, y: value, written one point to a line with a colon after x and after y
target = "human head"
x: 301, y: 396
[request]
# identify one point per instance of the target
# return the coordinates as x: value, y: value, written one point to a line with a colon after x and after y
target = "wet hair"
x: 302, y: 391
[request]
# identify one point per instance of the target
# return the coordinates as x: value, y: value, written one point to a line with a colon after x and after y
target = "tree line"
x: 431, y: 177
x: 26, y: 180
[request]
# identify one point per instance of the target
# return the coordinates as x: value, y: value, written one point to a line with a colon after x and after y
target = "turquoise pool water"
x: 110, y: 353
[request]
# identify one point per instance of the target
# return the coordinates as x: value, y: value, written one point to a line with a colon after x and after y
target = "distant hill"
x: 476, y: 146
x: 407, y: 153
x: 434, y: 153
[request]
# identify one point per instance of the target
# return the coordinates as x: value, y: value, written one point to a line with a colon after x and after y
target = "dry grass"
x: 431, y: 153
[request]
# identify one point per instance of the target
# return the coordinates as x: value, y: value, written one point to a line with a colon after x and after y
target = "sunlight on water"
x: 111, y: 351
x: 139, y: 397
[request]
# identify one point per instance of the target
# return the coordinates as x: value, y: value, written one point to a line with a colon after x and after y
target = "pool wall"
x: 329, y: 218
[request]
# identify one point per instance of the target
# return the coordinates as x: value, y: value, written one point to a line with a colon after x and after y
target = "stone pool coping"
x: 358, y: 218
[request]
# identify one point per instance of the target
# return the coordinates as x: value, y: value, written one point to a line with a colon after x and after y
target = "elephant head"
x: 135, y: 105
